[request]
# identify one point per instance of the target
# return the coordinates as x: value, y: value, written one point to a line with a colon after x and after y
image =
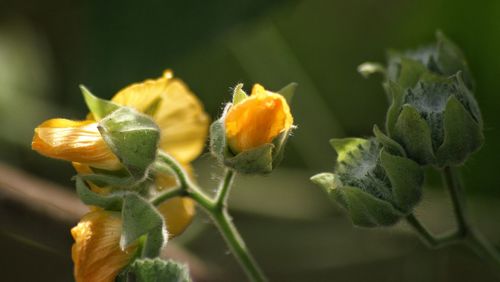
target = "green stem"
x: 223, y: 192
x: 431, y: 240
x: 471, y: 237
x: 217, y: 209
x: 450, y: 178
x: 167, y: 195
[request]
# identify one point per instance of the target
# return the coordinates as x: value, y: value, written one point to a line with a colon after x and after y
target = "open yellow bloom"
x: 96, y: 251
x: 257, y: 120
x: 184, y: 127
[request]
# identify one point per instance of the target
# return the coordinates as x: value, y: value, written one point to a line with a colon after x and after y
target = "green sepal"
x: 279, y: 147
x: 155, y: 270
x: 390, y: 145
x: 325, y: 180
x: 99, y: 108
x: 141, y: 218
x: 346, y: 146
x: 364, y: 209
x: 410, y: 72
x: 396, y: 94
x: 112, y: 202
x: 413, y: 132
x: 103, y: 180
x: 238, y: 94
x: 288, y: 91
x: 218, y: 146
x: 133, y: 137
x: 450, y: 59
x: 256, y: 160
x: 406, y: 178
x: 462, y: 135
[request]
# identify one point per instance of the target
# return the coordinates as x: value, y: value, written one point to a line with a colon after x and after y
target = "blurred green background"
x: 47, y: 48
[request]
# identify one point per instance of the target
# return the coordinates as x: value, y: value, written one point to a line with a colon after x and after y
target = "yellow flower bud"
x: 257, y: 120
x: 96, y: 252
x: 77, y: 141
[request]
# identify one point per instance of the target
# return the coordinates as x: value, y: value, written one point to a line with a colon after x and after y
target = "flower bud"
x: 376, y: 186
x: 251, y: 134
x: 441, y: 58
x: 437, y: 121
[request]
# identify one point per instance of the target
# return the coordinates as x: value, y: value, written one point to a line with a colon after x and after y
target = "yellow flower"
x: 96, y: 251
x: 257, y: 120
x: 184, y: 127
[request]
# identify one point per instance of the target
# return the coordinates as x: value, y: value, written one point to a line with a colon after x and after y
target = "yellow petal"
x: 257, y: 120
x: 179, y: 114
x: 76, y: 141
x: 96, y: 252
x: 179, y: 211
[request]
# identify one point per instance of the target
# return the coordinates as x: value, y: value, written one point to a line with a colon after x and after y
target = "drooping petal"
x: 178, y: 211
x: 76, y: 141
x: 176, y: 110
x: 96, y: 252
x: 257, y: 120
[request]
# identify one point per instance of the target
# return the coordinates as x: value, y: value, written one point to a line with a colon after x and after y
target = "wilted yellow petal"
x: 96, y: 252
x: 176, y: 110
x: 77, y: 141
x: 257, y: 120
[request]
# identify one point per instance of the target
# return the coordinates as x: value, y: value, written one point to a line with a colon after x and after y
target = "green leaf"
x: 345, y: 146
x: 155, y: 270
x: 462, y: 135
x: 364, y: 209
x: 141, y: 218
x: 406, y: 178
x: 112, y: 201
x: 390, y: 145
x: 288, y: 92
x: 257, y: 160
x: 412, y: 131
x: 99, y: 108
x: 133, y: 137
x: 238, y: 94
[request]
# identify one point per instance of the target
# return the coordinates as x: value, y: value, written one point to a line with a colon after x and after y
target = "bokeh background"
x: 48, y: 48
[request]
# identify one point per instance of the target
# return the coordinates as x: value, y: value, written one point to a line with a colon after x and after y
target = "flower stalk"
x: 465, y: 233
x: 215, y: 207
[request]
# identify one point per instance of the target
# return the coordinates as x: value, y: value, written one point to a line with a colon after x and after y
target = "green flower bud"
x: 437, y: 121
x: 375, y: 185
x: 441, y: 58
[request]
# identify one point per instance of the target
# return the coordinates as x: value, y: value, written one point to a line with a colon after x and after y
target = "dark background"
x: 47, y: 48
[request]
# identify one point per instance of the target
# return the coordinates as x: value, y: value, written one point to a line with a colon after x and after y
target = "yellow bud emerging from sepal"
x: 257, y: 120
x: 77, y: 141
x: 96, y: 252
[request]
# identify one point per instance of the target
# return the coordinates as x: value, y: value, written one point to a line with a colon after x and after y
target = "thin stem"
x: 431, y: 240
x: 167, y: 195
x: 223, y: 192
x: 470, y: 237
x: 237, y: 245
x: 484, y: 249
x: 216, y: 208
x: 450, y: 178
